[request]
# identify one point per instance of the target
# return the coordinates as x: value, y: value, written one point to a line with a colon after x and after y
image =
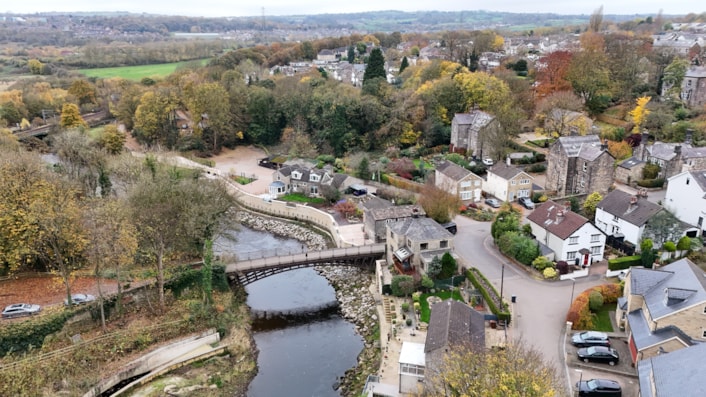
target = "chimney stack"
x: 689, y: 135
x: 567, y: 206
x: 677, y: 150
x: 645, y: 136
x: 604, y: 145
x: 508, y: 161
x: 559, y: 216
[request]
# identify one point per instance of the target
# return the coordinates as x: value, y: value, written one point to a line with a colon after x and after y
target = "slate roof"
x: 617, y: 203
x: 420, y: 229
x: 546, y: 216
x: 645, y: 338
x: 631, y: 163
x: 477, y: 119
x: 672, y: 288
x: 507, y: 172
x: 373, y: 202
x: 678, y: 373
x: 396, y: 212
x: 453, y: 170
x: 694, y: 152
x: 665, y: 151
x: 587, y: 147
x: 453, y: 323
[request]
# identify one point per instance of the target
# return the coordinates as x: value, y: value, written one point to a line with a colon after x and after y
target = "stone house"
x: 686, y: 199
x: 468, y: 131
x: 376, y: 217
x: 459, y: 181
x: 579, y: 165
x: 693, y: 87
x: 452, y: 324
x: 629, y: 171
x: 414, y: 242
x: 663, y: 309
x: 672, y: 157
x: 508, y: 183
x: 569, y: 235
x: 298, y: 178
x: 623, y: 216
x: 679, y: 373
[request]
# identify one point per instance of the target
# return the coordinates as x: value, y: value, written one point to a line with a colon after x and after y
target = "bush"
x: 595, y: 301
x: 402, y: 285
x: 541, y: 262
x: 405, y: 307
x: 659, y: 182
x: 416, y: 296
x: 536, y: 168
x: 684, y: 244
x: 409, y: 322
x: 549, y: 272
x: 488, y: 292
x: 669, y: 246
x: 624, y: 262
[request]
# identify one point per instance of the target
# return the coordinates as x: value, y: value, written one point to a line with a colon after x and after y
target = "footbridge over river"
x: 249, y: 271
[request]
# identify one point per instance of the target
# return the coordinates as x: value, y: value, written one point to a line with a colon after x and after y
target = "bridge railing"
x: 314, y: 256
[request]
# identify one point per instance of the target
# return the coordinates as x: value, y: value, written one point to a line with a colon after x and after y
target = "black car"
x: 599, y: 354
x: 590, y: 338
x: 599, y: 387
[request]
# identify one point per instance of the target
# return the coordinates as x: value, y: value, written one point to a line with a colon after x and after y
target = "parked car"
x: 599, y: 354
x: 599, y: 387
x: 20, y: 309
x: 79, y: 299
x: 526, y: 202
x: 590, y: 338
x: 493, y: 202
x: 487, y: 161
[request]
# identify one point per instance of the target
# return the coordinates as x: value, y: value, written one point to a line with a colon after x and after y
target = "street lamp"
x: 573, y: 285
x: 502, y: 279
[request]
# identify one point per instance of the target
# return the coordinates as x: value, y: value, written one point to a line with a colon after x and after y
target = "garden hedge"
x: 624, y: 262
x: 489, y: 293
x: 659, y: 182
x: 20, y: 336
x: 579, y: 312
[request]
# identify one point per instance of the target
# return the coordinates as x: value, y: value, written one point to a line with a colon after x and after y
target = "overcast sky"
x: 220, y: 8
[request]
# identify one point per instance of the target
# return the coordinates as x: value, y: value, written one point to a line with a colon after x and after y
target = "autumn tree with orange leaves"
x: 551, y: 75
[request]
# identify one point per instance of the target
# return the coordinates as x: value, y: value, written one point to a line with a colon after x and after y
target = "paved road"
x: 540, y: 310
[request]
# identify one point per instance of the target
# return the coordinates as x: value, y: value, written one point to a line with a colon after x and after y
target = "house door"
x: 585, y: 259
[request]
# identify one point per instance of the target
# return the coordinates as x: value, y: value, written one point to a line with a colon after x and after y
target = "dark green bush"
x: 659, y: 182
x: 536, y: 168
x: 19, y: 337
x: 624, y: 262
x: 595, y: 301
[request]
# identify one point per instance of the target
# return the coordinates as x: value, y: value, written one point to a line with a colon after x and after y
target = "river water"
x: 296, y: 358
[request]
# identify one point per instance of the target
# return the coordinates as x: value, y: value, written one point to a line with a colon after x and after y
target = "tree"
x: 449, y: 267
x: 639, y: 113
x: 346, y: 208
x: 620, y: 150
x: 112, y: 140
x: 83, y: 91
x: 588, y: 72
x: 154, y: 119
x: 211, y: 114
x: 363, y: 170
x: 595, y: 301
x: 375, y: 67
x: 82, y: 161
x: 404, y: 64
x: 507, y: 220
x: 662, y: 227
x: 71, y: 117
x: 647, y: 253
x: 402, y: 285
x: 35, y: 66
x: 589, y: 206
x: 351, y: 54
x: 434, y: 267
x: 673, y: 76
x: 514, y: 371
x: 439, y: 204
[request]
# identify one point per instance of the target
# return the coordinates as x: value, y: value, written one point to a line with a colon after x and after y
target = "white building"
x: 571, y: 236
x: 624, y: 216
x: 686, y: 198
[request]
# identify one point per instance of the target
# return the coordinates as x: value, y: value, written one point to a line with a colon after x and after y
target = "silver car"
x: 79, y: 299
x: 20, y: 309
x: 493, y: 202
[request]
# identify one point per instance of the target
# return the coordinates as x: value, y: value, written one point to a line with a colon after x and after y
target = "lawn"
x: 601, y: 321
x: 300, y: 198
x: 136, y: 72
x: 426, y: 312
x: 427, y: 164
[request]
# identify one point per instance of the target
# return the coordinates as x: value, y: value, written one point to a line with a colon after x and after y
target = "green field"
x: 137, y: 72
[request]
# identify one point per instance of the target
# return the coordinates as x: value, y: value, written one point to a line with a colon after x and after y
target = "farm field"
x: 137, y: 72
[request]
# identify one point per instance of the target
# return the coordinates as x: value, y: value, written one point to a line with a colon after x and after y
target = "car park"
x: 20, y: 309
x: 493, y: 202
x: 526, y: 202
x: 79, y: 299
x: 590, y: 338
x: 599, y: 354
x: 599, y: 388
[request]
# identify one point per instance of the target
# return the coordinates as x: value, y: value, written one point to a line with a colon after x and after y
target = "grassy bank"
x: 138, y: 72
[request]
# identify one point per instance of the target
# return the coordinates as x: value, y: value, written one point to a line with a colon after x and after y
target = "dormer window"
x: 314, y: 178
x: 296, y: 175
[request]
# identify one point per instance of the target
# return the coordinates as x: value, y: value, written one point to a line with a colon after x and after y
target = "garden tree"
x: 684, y: 243
x: 651, y: 171
x: 265, y: 127
x: 363, y: 169
x: 112, y: 243
x: 330, y: 193
x: 439, y: 204
x: 35, y: 66
x: 627, y: 54
x: 125, y: 108
x: 83, y: 91
x: 589, y: 206
x: 112, y: 140
x: 212, y: 113
x: 351, y: 54
x: 471, y: 371
x: 449, y: 267
x: 559, y: 107
x: 155, y: 119
x: 82, y: 161
x: 297, y: 143
x: 175, y: 215
x: 434, y: 267
x: 507, y: 220
x: 639, y: 113
x: 482, y: 90
x: 620, y: 150
x: 308, y: 50
x: 443, y: 98
x: 673, y: 76
x: 427, y: 282
x: 647, y: 253
x: 402, y: 285
x: 595, y: 301
x: 588, y: 72
x: 71, y: 117
x: 404, y: 64
x: 551, y: 76
x: 662, y: 227
x: 375, y: 67
x: 346, y: 208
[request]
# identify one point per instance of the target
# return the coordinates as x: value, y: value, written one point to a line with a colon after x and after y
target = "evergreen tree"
x: 351, y: 54
x: 376, y: 66
x: 404, y: 64
x: 363, y: 171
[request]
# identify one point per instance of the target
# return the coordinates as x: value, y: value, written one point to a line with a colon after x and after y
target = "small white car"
x: 488, y: 161
x: 20, y: 309
x: 79, y: 299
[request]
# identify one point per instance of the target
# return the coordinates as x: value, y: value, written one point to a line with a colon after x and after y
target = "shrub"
x: 659, y: 182
x: 549, y: 272
x: 684, y: 244
x: 669, y: 246
x: 402, y: 285
x: 405, y: 307
x: 417, y: 306
x: 416, y: 296
x: 409, y: 322
x: 536, y: 168
x: 541, y: 262
x: 624, y: 262
x: 595, y: 301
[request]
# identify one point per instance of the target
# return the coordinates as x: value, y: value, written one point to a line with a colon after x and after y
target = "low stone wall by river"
x: 352, y: 286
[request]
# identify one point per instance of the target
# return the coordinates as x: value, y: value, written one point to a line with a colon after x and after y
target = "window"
x: 296, y: 175
x: 585, y: 166
x: 314, y: 189
x: 615, y: 218
x: 476, y: 182
x: 573, y: 240
x: 571, y: 255
x: 595, y: 238
x: 596, y: 250
x: 703, y: 335
x: 314, y: 178
x: 687, y: 181
x: 424, y: 246
x: 444, y: 244
x: 465, y: 183
x: 524, y: 182
x: 513, y: 182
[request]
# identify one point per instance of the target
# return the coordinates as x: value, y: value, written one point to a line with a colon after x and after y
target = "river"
x: 296, y: 358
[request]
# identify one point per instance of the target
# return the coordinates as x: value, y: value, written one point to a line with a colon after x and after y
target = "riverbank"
x: 352, y: 286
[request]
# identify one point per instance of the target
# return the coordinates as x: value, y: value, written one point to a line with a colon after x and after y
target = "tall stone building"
x: 579, y: 165
x: 468, y: 131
